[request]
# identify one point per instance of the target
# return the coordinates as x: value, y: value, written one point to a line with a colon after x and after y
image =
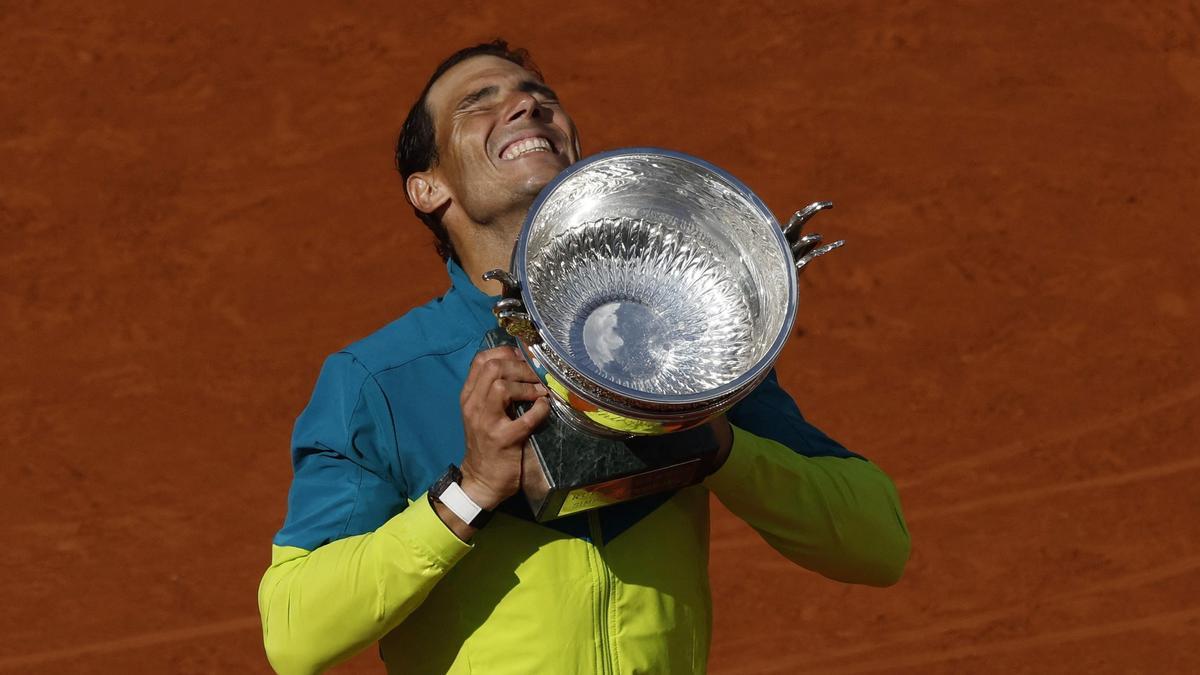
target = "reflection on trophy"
x: 650, y: 291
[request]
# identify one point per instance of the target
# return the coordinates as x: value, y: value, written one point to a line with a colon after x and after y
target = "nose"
x: 523, y: 104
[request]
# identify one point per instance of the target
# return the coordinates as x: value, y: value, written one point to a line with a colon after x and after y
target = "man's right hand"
x: 491, y: 467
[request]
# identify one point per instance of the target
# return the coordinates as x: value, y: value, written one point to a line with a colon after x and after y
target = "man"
x: 365, y: 555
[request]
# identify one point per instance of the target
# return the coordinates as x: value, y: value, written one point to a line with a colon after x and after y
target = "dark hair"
x: 416, y: 148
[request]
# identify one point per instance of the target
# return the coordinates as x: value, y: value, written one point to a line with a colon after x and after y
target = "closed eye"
x: 544, y: 94
x: 539, y: 89
x: 476, y: 96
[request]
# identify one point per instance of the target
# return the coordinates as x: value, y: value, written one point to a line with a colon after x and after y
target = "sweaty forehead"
x: 470, y: 75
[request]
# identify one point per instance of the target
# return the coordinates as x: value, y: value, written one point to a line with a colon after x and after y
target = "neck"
x: 486, y: 248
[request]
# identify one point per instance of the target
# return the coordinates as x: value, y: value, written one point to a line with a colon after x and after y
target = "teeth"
x: 525, y: 146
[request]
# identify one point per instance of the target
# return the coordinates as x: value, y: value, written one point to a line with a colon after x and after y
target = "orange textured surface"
x: 197, y: 206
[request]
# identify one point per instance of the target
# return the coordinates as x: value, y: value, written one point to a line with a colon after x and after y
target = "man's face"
x: 501, y: 136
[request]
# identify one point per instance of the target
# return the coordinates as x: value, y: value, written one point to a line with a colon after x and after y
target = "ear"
x: 426, y: 192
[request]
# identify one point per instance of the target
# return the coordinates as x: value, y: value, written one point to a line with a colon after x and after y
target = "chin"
x: 533, y: 184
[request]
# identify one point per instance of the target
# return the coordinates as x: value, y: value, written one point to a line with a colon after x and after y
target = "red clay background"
x: 197, y: 205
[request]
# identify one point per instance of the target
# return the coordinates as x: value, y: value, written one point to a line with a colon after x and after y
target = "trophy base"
x: 566, y: 470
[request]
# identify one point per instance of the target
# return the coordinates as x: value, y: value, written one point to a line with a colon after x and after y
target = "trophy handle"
x: 510, y: 311
x: 806, y: 248
x: 512, y: 287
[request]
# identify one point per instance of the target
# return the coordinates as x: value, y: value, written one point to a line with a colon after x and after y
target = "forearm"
x: 838, y: 516
x: 323, y: 606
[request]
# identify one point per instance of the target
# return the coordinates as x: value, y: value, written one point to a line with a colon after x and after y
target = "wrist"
x: 479, y: 492
x: 463, y: 531
x: 450, y: 499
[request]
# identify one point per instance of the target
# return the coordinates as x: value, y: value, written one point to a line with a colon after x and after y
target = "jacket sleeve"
x: 822, y: 507
x: 354, y: 557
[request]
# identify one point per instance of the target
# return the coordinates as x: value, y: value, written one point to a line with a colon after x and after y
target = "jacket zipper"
x: 604, y: 581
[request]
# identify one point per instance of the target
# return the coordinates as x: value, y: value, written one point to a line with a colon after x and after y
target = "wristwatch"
x: 448, y: 490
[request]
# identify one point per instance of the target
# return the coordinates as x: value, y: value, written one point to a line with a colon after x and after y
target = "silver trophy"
x: 650, y: 291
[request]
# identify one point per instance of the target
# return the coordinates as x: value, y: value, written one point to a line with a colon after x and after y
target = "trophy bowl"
x: 651, y: 290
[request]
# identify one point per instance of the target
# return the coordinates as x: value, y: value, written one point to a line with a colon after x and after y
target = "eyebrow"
x: 535, y: 87
x: 528, y: 86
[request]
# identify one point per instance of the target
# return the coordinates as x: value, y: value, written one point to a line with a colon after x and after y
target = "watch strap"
x: 449, y: 492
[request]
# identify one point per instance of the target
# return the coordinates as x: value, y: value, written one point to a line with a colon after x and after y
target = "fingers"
x: 498, y: 378
x: 479, y: 363
x: 532, y: 418
x: 505, y: 392
x: 514, y: 432
x: 501, y: 363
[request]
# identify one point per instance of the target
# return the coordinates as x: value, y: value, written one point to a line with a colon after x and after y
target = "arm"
x: 822, y: 507
x: 320, y: 607
x: 353, y: 558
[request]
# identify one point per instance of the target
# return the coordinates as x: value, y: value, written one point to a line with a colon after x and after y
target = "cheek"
x: 468, y: 143
x: 563, y: 122
x: 576, y: 147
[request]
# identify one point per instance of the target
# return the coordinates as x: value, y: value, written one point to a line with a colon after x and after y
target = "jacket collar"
x: 476, y: 304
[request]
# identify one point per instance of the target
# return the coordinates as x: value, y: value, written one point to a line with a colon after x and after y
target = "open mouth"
x: 525, y: 146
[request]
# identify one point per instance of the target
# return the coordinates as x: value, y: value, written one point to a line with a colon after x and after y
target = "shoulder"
x: 428, y: 330
x: 358, y: 383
